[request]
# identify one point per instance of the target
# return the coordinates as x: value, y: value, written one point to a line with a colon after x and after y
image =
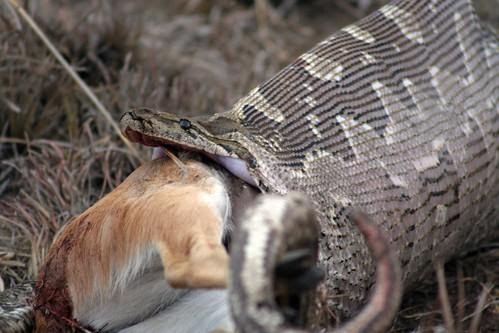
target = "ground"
x: 58, y: 154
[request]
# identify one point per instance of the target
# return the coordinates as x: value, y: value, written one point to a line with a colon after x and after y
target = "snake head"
x: 215, y: 135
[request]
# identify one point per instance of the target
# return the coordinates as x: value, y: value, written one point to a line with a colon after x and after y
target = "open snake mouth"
x: 235, y: 166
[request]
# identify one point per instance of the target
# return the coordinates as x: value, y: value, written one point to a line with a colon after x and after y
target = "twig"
x: 444, y: 298
x: 86, y: 89
x: 13, y: 16
x: 475, y: 323
x: 461, y: 298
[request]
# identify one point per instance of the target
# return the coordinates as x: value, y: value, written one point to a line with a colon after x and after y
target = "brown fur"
x: 159, y: 205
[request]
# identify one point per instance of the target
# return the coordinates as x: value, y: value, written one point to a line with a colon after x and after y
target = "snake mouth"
x: 235, y: 166
x: 153, y: 141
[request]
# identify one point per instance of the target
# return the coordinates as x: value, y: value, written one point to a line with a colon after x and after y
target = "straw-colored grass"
x: 58, y: 154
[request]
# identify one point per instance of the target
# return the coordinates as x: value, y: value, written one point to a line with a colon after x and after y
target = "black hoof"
x: 297, y: 271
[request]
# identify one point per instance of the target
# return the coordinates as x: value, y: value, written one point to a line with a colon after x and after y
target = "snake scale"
x: 396, y: 116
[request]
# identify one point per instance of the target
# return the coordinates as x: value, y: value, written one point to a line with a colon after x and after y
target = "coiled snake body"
x: 396, y: 116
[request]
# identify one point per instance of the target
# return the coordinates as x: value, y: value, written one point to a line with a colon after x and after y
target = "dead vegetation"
x: 58, y: 155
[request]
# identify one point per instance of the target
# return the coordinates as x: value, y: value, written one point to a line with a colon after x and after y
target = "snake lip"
x: 152, y: 141
x: 235, y: 166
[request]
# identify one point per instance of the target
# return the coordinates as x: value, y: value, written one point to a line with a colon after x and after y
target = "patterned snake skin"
x: 396, y: 116
x: 16, y: 314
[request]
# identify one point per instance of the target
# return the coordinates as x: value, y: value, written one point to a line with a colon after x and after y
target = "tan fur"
x: 153, y: 207
x: 159, y: 207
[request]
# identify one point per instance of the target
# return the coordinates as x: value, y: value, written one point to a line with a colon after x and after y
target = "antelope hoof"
x: 297, y: 271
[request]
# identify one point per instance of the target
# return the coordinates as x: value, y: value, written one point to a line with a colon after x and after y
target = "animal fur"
x: 117, y: 264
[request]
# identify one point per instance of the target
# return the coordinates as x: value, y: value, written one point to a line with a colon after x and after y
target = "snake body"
x: 16, y: 314
x: 396, y: 116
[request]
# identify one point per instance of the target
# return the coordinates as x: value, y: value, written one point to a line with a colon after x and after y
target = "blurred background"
x: 58, y: 154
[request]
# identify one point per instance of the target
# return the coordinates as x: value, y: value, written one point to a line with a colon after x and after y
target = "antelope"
x: 133, y: 262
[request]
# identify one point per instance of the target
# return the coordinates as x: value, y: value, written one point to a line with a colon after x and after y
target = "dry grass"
x: 58, y: 155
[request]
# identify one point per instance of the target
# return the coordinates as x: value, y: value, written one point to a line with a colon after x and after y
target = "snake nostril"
x: 185, y: 124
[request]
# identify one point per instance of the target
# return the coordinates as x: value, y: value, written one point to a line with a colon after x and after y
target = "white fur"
x: 149, y: 304
x: 157, y: 152
x: 219, y: 200
x: 145, y: 292
x: 197, y: 311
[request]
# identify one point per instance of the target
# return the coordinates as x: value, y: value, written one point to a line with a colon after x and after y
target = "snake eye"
x: 185, y: 124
